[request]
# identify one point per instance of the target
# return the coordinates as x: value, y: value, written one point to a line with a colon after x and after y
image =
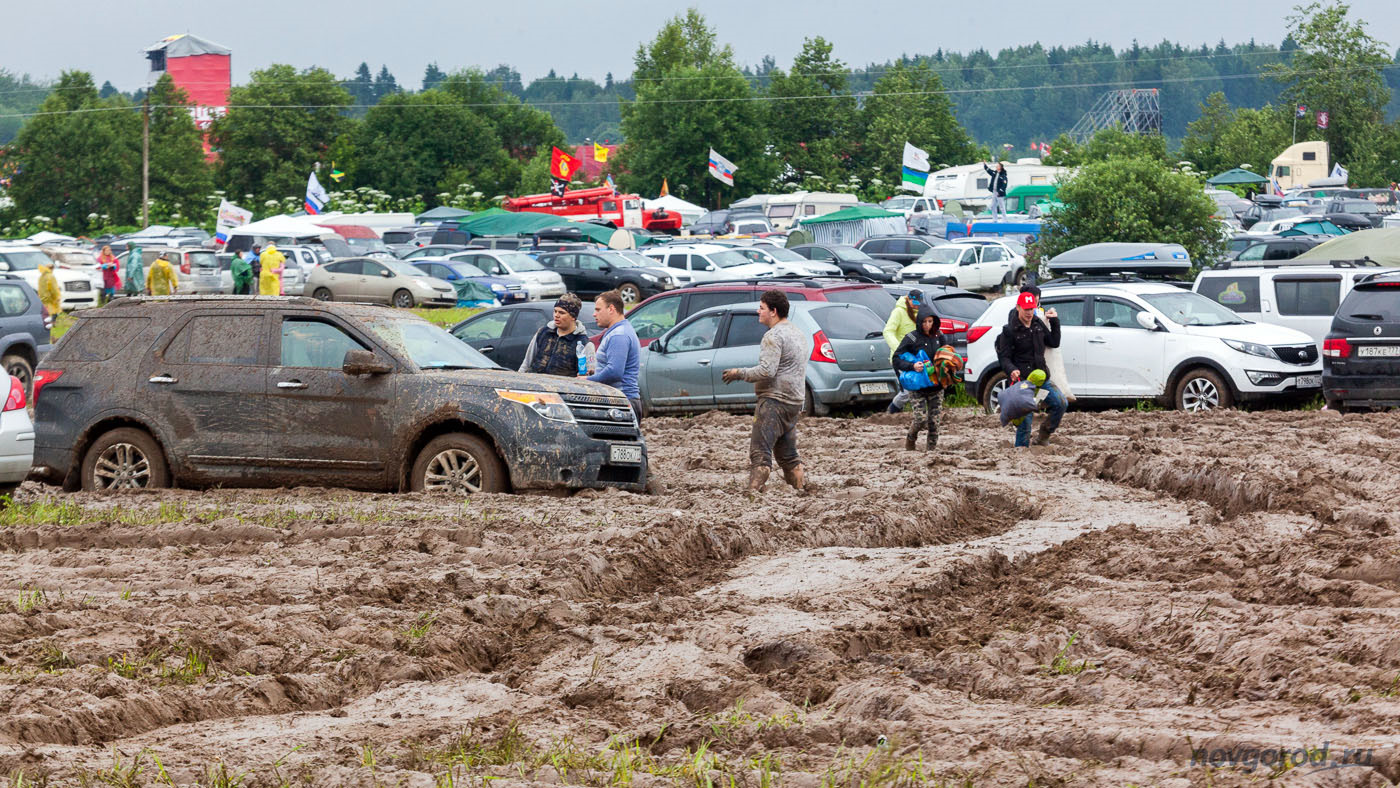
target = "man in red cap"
x: 1021, y: 351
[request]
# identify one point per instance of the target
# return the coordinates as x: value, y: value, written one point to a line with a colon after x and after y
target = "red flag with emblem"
x: 563, y: 166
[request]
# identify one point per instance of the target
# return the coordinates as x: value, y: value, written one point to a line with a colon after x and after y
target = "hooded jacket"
x: 998, y: 184
x: 49, y: 293
x: 899, y: 324
x: 917, y: 340
x: 1021, y: 347
x: 551, y: 354
x: 162, y: 279
x: 270, y: 277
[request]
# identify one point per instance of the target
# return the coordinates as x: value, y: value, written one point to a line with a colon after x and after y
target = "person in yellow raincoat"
x: 270, y: 279
x: 162, y: 279
x: 48, y: 290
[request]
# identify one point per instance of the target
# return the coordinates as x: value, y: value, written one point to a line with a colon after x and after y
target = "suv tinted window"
x: 312, y: 343
x: 1112, y: 313
x: 847, y: 323
x: 873, y: 247
x: 13, y: 301
x: 1070, y: 310
x: 699, y: 302
x: 217, y: 339
x: 744, y: 329
x: 1382, y: 302
x: 99, y: 338
x: 1310, y: 296
x: 876, y: 299
x: 1240, y: 293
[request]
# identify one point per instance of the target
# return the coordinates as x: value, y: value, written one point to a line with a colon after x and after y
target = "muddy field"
x: 1087, y: 614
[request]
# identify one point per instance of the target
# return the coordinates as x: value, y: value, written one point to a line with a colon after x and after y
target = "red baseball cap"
x: 1027, y: 301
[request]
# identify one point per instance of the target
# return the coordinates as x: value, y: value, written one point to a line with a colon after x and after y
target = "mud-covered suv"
x: 276, y: 391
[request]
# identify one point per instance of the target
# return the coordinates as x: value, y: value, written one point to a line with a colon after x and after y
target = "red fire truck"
x: 622, y: 210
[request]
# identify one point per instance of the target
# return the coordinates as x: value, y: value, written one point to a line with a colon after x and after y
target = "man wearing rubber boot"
x: 780, y: 381
x: 1021, y: 350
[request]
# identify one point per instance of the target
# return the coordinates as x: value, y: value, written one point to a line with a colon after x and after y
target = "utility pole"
x: 145, y: 160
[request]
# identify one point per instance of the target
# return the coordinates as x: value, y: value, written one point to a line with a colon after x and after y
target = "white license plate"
x: 618, y: 453
x: 1309, y: 381
x: 874, y: 388
x: 1377, y: 351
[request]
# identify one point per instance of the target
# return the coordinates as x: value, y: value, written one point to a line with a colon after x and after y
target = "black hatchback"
x: 1361, y: 354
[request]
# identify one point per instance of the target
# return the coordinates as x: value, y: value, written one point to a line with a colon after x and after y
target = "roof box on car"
x: 1141, y: 259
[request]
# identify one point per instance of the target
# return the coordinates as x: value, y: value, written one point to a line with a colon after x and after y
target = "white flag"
x: 915, y: 159
x: 722, y: 168
x: 1338, y: 171
x: 230, y: 216
x: 316, y: 197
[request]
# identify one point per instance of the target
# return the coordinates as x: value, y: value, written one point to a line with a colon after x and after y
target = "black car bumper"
x: 602, y: 448
x: 1362, y: 391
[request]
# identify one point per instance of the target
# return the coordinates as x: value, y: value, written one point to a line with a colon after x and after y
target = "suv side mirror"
x: 364, y: 362
x: 605, y: 268
x: 657, y: 347
x: 1147, y: 321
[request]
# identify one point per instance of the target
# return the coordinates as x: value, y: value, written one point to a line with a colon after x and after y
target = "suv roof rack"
x: 1071, y: 279
x: 1377, y: 275
x: 213, y: 297
x: 1223, y: 265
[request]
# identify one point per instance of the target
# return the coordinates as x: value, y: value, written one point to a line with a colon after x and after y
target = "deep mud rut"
x: 1083, y: 614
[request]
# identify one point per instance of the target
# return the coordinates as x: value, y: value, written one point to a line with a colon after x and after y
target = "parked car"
x: 24, y: 333
x: 659, y: 314
x: 973, y: 263
x: 503, y: 334
x: 1227, y: 199
x: 850, y: 362
x: 436, y: 250
x: 786, y: 261
x: 589, y: 273
x: 1356, y: 207
x: 538, y: 281
x: 16, y: 435
x: 73, y: 258
x: 271, y: 393
x: 851, y: 261
x: 402, y: 240
x: 1361, y: 352
x: 1275, y: 248
x: 502, y: 242
x: 747, y: 224
x: 1299, y: 294
x: 707, y: 262
x: 506, y: 290
x: 711, y: 223
x: 378, y: 281
x: 1140, y: 340
x: 196, y: 270
x: 902, y: 249
x: 956, y: 308
x: 24, y: 260
x: 1257, y: 213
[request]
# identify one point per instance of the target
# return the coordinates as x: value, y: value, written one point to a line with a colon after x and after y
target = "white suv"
x: 1137, y: 340
x: 972, y: 264
x: 709, y: 262
x: 22, y: 260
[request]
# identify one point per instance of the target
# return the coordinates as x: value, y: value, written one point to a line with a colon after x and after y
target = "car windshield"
x: 638, y: 259
x: 1193, y: 309
x: 1360, y: 206
x: 622, y: 261
x: 941, y: 254
x: 898, y: 203
x: 850, y: 254
x: 519, y: 261
x: 25, y: 261
x: 427, y: 345
x: 405, y: 269
x: 783, y: 255
x: 728, y: 259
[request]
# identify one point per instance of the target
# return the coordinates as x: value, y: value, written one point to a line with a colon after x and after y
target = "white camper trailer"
x: 969, y: 183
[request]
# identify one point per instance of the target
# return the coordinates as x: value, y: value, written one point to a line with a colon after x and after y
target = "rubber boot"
x: 891, y: 408
x: 758, y: 476
x: 796, y: 476
x: 1042, y: 436
x: 932, y: 441
x: 911, y: 441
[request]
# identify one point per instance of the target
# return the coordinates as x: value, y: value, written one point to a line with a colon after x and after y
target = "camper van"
x: 784, y: 210
x: 1300, y: 164
x: 968, y: 183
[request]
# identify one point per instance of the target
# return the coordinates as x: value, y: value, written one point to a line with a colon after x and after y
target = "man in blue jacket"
x: 619, y: 357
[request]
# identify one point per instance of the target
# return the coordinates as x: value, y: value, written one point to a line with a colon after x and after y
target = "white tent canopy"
x: 689, y: 211
x: 46, y: 237
x: 282, y: 226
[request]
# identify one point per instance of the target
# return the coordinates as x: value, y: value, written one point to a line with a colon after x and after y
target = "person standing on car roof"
x: 998, y: 189
x: 1021, y: 350
x: 897, y: 326
x: 915, y: 353
x: 561, y: 346
x: 619, y: 356
x: 780, y: 381
x: 107, y: 264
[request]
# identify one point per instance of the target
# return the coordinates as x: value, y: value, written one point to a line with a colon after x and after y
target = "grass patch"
x: 180, y: 665
x: 1062, y: 665
x: 61, y: 324
x: 446, y: 318
x: 957, y: 397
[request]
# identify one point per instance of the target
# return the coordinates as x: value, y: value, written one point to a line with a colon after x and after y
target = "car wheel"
x: 459, y: 464
x: 630, y: 293
x: 403, y: 299
x: 124, y: 459
x: 991, y: 393
x: 1201, y: 390
x: 323, y: 294
x: 18, y: 367
x: 1020, y: 279
x: 951, y: 282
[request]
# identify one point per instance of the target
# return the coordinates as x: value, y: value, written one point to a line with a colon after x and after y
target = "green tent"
x: 496, y: 221
x: 473, y: 293
x: 852, y: 214
x: 1236, y: 177
x: 596, y: 233
x: 1019, y: 198
x: 1381, y: 245
x: 441, y: 213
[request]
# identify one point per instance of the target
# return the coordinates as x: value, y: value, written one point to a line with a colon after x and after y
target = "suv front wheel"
x: 630, y: 293
x: 124, y: 459
x: 460, y: 464
x: 1202, y: 389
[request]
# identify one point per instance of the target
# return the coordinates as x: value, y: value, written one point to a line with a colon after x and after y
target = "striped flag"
x: 722, y: 168
x: 316, y: 197
x: 913, y: 180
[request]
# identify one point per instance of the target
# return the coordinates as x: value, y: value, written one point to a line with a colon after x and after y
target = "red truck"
x: 622, y: 210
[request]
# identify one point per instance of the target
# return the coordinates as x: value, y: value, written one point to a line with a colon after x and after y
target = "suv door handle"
x: 162, y: 379
x: 1098, y: 341
x: 290, y: 384
x: 486, y: 349
x: 704, y: 362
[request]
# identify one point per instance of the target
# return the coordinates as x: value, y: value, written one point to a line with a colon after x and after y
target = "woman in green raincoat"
x: 134, y: 283
x: 242, y: 272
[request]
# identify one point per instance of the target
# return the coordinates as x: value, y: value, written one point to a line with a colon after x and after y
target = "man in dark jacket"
x: 998, y: 189
x: 561, y: 346
x: 1021, y: 351
x: 928, y: 402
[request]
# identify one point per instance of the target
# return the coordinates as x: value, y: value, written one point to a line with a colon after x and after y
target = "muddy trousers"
x: 774, y: 435
x: 928, y: 404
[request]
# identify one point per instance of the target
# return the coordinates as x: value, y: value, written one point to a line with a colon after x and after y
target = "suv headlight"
x: 1252, y: 348
x: 546, y: 403
x: 870, y: 268
x: 650, y: 278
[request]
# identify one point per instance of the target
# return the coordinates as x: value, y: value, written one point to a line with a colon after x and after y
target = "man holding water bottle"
x: 1021, y: 351
x: 561, y: 347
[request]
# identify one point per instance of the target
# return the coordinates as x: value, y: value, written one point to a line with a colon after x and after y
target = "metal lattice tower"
x: 1136, y: 111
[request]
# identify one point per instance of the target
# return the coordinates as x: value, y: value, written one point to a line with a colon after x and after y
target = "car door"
x: 594, y: 275
x: 738, y: 348
x: 206, y: 389
x: 1123, y: 359
x: 566, y: 265
x: 486, y: 332
x: 339, y: 425
x: 343, y: 279
x: 376, y: 283
x: 679, y: 375
x: 994, y: 265
x: 969, y: 273
x: 1071, y: 311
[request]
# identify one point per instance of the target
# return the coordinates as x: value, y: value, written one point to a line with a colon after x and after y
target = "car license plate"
x: 874, y: 388
x: 621, y: 453
x: 1309, y: 381
x: 1377, y: 351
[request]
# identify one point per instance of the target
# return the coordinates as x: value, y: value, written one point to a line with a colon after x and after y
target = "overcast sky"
x: 593, y: 38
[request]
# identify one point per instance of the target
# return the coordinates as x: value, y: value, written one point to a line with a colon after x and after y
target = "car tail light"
x: 1336, y: 348
x: 185, y: 266
x: 43, y: 377
x: 16, y: 399
x: 950, y: 326
x: 977, y: 332
x: 821, y: 349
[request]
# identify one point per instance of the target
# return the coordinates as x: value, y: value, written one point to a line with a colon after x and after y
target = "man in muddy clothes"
x: 780, y: 381
x: 1021, y: 350
x: 561, y: 346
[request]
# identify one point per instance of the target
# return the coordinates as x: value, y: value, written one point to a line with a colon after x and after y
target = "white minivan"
x: 1303, y: 297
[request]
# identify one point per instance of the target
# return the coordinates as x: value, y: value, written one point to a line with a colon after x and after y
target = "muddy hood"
x: 520, y: 381
x: 1261, y: 333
